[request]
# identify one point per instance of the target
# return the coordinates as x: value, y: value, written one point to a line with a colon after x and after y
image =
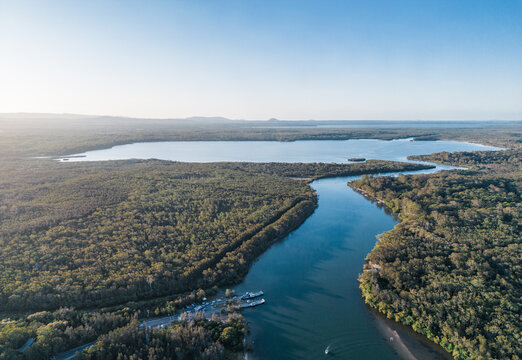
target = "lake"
x: 337, y: 151
x: 310, y: 278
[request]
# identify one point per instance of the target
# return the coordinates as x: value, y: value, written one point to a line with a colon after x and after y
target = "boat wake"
x: 327, y: 350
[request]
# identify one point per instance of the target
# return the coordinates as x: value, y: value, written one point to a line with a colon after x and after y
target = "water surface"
x: 268, y: 151
x: 311, y: 289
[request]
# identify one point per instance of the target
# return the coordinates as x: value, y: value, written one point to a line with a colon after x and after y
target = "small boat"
x: 327, y: 350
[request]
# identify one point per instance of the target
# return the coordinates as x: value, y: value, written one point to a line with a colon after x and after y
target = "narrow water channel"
x: 311, y: 289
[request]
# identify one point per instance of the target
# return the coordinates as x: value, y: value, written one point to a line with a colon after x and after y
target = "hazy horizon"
x: 57, y: 116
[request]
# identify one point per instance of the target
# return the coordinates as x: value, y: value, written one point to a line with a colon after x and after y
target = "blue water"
x: 267, y: 151
x: 310, y: 283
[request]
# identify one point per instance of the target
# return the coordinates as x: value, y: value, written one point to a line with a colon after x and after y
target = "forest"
x: 193, y: 339
x: 147, y: 231
x: 136, y: 230
x: 119, y: 336
x: 451, y: 269
x: 136, y: 239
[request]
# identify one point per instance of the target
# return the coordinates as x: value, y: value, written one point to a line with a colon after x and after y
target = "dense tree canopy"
x: 54, y: 332
x: 110, y: 234
x: 451, y: 269
x: 144, y: 231
x: 195, y: 339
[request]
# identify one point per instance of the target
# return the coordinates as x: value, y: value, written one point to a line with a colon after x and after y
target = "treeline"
x: 451, y: 268
x: 506, y: 162
x: 54, y: 332
x: 314, y: 171
x: 193, y: 339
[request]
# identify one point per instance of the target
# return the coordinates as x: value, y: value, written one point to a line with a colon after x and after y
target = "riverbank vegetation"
x: 192, y: 339
x: 451, y: 268
x: 48, y: 333
x: 119, y: 336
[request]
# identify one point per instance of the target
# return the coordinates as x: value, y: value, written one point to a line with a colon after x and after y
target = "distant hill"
x: 46, y: 121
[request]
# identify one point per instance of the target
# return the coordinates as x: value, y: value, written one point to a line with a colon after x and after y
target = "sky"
x: 260, y: 59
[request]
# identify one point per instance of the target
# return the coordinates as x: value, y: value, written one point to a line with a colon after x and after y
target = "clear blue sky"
x: 322, y: 59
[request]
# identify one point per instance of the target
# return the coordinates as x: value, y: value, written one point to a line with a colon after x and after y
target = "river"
x: 311, y: 289
x: 310, y: 278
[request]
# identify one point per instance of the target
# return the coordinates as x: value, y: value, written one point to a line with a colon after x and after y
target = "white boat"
x: 251, y: 295
x: 250, y: 303
x: 327, y: 350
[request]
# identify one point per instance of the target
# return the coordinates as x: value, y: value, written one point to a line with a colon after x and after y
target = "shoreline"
x: 393, y: 329
x: 408, y: 343
x: 80, y: 151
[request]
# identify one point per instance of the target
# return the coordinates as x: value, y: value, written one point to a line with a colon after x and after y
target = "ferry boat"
x: 251, y: 295
x: 248, y: 304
